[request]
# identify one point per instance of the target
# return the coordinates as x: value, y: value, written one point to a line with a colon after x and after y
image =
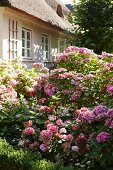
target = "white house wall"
x: 37, y: 30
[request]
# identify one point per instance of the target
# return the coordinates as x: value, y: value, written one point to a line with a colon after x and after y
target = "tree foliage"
x: 93, y: 21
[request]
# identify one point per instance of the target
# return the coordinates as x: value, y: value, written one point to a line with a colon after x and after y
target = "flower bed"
x: 67, y: 115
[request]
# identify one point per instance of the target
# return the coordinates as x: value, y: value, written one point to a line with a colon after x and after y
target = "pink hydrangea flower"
x: 90, y: 76
x: 86, y: 60
x: 81, y: 139
x: 109, y: 123
x: 71, y: 49
x: 74, y: 97
x: 110, y: 65
x: 59, y: 122
x: 103, y: 137
x: 99, y: 110
x: 67, y: 91
x: 29, y: 131
x: 59, y: 70
x: 46, y: 109
x: 52, y: 117
x: 42, y: 100
x: 62, y: 130
x: 48, y: 90
x: 46, y: 135
x: 68, y: 137
x: 86, y: 115
x: 105, y: 55
x: 110, y: 89
x: 52, y: 128
x: 62, y: 57
x: 13, y: 83
x: 110, y: 113
x: 38, y: 65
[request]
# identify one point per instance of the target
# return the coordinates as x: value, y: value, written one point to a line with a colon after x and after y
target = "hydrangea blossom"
x: 100, y: 109
x: 29, y: 131
x: 110, y: 89
x: 46, y: 135
x: 103, y: 137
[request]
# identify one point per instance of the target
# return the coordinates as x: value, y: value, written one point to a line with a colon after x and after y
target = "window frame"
x: 44, y: 44
x: 63, y: 47
x: 13, y: 38
x: 26, y: 40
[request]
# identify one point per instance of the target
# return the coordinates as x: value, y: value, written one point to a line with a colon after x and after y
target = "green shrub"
x: 13, y: 159
x: 20, y: 159
x: 44, y: 165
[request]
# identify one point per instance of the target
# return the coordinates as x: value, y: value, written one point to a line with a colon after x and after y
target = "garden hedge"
x: 19, y: 159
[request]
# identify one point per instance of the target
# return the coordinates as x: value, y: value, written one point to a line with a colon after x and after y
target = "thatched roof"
x: 53, y: 12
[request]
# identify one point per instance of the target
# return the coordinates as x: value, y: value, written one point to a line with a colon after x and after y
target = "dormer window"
x: 59, y: 11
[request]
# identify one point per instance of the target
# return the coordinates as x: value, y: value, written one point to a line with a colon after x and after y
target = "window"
x: 26, y: 43
x: 46, y: 47
x: 13, y: 39
x: 62, y: 44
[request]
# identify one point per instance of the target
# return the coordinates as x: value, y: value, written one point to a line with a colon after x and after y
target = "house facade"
x: 33, y: 30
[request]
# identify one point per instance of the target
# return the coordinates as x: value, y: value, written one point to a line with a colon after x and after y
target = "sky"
x: 67, y: 1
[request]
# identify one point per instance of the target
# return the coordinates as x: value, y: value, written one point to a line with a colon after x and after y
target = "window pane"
x: 23, y: 43
x: 28, y: 35
x: 46, y: 55
x: 28, y: 44
x: 13, y: 34
x: 23, y: 34
x: 13, y: 24
x: 28, y: 53
x: 42, y: 39
x: 60, y: 43
x: 12, y: 44
x: 42, y: 46
x: 46, y: 48
x: 61, y: 49
x: 46, y: 40
x: 23, y: 52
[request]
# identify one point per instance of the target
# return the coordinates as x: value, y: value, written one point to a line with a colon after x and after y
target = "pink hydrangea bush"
x: 68, y: 132
x: 80, y: 75
x: 69, y: 107
x: 15, y: 75
x: 8, y: 95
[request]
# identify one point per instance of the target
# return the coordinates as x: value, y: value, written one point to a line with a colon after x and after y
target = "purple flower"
x: 86, y: 115
x: 90, y: 76
x: 85, y: 51
x: 71, y: 49
x: 49, y: 90
x: 110, y: 89
x: 105, y: 55
x: 86, y: 60
x: 111, y: 125
x: 43, y: 147
x: 110, y: 113
x: 108, y: 122
x: 62, y: 57
x: 99, y: 109
x: 103, y: 137
x: 110, y: 65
